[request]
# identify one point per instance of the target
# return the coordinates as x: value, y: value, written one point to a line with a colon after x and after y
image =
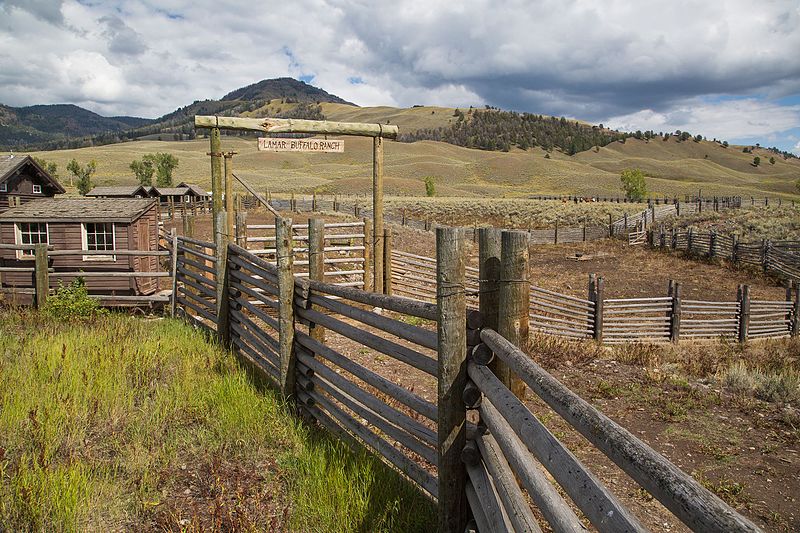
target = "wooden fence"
x: 347, y: 248
x: 779, y: 258
x: 305, y: 335
x: 655, y: 319
x: 121, y: 278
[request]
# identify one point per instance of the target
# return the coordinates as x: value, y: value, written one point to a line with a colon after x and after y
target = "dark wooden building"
x: 22, y: 180
x: 184, y: 192
x: 131, y: 191
x: 85, y: 224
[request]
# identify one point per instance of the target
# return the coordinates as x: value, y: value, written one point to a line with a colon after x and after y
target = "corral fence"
x: 307, y: 335
x: 117, y: 278
x: 667, y: 318
x: 780, y: 258
x: 171, y: 209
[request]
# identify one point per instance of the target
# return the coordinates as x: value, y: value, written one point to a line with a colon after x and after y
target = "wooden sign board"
x: 300, y: 145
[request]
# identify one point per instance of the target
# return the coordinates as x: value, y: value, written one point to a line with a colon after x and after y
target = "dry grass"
x: 750, y: 223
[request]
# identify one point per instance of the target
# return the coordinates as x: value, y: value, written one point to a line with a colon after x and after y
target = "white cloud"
x: 723, y: 120
x: 637, y: 62
x: 796, y: 149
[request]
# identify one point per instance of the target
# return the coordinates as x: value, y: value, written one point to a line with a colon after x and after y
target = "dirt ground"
x: 745, y: 450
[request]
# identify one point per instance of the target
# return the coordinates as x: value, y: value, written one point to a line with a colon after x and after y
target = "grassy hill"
x: 673, y: 167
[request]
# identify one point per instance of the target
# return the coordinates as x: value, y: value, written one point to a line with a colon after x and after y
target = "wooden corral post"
x: 515, y: 292
x: 743, y: 295
x: 284, y: 245
x: 335, y: 203
x: 221, y: 240
x: 367, y: 254
x: 42, y: 274
x: 292, y: 204
x: 452, y: 374
x: 170, y: 207
x: 599, y: 293
x: 241, y: 228
x: 377, y: 210
x: 584, y: 229
x: 712, y: 244
x: 316, y: 266
x: 489, y: 252
x: 625, y: 216
x: 796, y: 310
x: 675, y: 311
x: 183, y: 207
x: 173, y: 258
x: 188, y: 226
x: 216, y: 176
x: 555, y: 234
x: 610, y: 226
x: 387, y: 261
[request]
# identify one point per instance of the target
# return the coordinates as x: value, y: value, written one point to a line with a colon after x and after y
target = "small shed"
x: 131, y: 191
x: 91, y: 225
x: 184, y: 192
x: 23, y: 180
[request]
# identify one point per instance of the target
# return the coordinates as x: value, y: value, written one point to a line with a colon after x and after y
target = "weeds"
x: 102, y: 423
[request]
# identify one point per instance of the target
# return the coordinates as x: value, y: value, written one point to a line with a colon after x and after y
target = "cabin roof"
x: 130, y: 190
x: 124, y: 210
x: 171, y: 191
x: 198, y: 190
x: 10, y: 164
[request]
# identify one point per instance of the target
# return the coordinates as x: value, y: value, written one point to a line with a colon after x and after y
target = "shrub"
x: 430, y: 186
x: 756, y: 161
x: 72, y: 302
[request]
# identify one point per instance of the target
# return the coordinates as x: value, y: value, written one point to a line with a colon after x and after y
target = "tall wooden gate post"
x: 515, y: 290
x: 283, y: 249
x: 452, y: 373
x: 675, y: 311
x: 216, y: 176
x: 316, y: 266
x: 42, y: 274
x: 241, y: 229
x: 489, y: 240
x: 377, y: 211
x: 221, y: 240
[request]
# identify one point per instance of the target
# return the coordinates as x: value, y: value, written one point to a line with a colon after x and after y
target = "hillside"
x: 20, y: 126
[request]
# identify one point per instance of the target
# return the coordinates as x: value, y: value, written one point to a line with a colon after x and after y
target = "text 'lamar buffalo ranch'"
x: 300, y: 145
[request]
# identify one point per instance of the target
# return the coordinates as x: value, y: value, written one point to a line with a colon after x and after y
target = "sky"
x: 728, y: 69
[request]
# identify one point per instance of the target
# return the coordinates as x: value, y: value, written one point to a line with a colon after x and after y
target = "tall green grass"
x: 98, y: 418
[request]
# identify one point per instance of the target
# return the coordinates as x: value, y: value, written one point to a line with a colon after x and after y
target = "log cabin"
x: 84, y: 224
x: 184, y: 192
x: 22, y: 180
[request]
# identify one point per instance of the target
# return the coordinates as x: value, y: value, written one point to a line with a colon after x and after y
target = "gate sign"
x: 300, y: 145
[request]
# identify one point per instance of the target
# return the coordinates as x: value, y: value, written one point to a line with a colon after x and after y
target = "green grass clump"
x: 111, y: 422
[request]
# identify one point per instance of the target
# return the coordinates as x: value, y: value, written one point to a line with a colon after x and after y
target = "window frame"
x: 85, y: 243
x: 37, y: 186
x: 28, y: 255
x: 4, y: 186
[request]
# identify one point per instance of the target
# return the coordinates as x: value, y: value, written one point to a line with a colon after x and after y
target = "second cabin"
x: 92, y: 228
x: 22, y: 180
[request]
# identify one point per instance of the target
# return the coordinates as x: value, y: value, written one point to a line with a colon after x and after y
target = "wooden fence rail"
x: 620, y: 320
x: 300, y: 332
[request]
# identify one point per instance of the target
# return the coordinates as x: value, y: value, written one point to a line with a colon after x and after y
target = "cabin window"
x: 3, y: 187
x: 187, y: 198
x: 37, y: 189
x: 99, y: 237
x: 31, y: 233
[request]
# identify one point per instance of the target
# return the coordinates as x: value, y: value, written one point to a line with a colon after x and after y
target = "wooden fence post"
x: 743, y: 295
x: 735, y: 249
x: 489, y: 252
x: 712, y: 244
x: 377, y: 211
x: 387, y: 261
x: 42, y: 274
x: 766, y: 246
x: 173, y: 303
x: 796, y: 311
x: 316, y: 266
x: 675, y: 311
x: 367, y: 254
x: 515, y: 292
x: 188, y: 226
x: 241, y: 229
x: 610, y: 226
x: 216, y: 176
x: 452, y: 374
x: 555, y: 234
x: 221, y: 240
x: 598, y: 309
x: 314, y: 202
x: 283, y: 248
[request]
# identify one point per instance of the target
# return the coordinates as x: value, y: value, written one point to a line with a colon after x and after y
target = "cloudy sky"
x: 728, y: 69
